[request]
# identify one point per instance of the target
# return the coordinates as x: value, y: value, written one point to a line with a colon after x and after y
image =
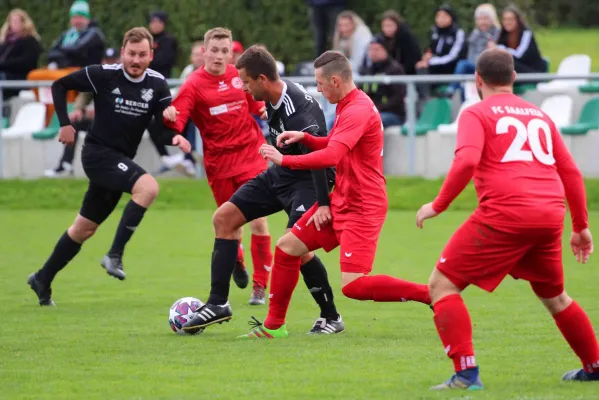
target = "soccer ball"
x: 181, y: 312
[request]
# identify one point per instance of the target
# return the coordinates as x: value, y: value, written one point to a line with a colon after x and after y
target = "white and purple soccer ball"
x: 181, y: 312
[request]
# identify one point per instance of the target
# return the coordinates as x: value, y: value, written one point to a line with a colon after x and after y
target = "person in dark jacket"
x: 323, y: 18
x: 447, y: 43
x: 400, y: 43
x: 82, y: 44
x: 20, y: 48
x: 388, y: 98
x: 165, y: 45
x: 519, y: 40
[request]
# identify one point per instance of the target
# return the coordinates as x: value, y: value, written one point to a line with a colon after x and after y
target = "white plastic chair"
x: 559, y: 109
x: 575, y: 64
x: 470, y: 92
x: 30, y: 118
x: 452, y: 129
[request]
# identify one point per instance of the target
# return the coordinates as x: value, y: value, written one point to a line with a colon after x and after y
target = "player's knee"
x: 306, y: 258
x: 554, y: 304
x: 440, y: 286
x: 259, y: 227
x: 81, y: 232
x: 225, y: 223
x: 145, y: 190
x: 291, y: 245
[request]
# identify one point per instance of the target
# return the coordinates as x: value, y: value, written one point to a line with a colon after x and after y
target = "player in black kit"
x: 126, y: 97
x: 288, y: 107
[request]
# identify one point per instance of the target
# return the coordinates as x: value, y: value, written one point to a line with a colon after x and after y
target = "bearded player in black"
x: 126, y: 97
x: 289, y: 108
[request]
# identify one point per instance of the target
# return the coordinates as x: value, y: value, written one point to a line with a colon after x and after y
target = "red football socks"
x: 385, y: 288
x: 240, y: 256
x: 455, y: 330
x: 576, y: 328
x: 285, y: 275
x: 261, y: 258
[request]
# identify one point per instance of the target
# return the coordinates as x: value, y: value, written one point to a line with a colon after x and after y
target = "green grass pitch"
x: 111, y: 339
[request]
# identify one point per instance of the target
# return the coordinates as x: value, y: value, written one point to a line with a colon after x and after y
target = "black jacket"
x: 17, y: 59
x: 404, y: 48
x: 527, y: 51
x: 165, y: 53
x: 386, y: 98
x: 448, y: 46
x: 87, y: 50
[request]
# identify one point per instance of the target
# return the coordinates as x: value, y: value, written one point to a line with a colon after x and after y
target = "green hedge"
x: 282, y: 25
x: 406, y: 194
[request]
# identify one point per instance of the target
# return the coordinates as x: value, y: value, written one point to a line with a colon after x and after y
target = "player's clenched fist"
x: 170, y: 113
x: 289, y: 137
x: 271, y: 153
x: 66, y: 135
x: 182, y: 143
x: 582, y: 245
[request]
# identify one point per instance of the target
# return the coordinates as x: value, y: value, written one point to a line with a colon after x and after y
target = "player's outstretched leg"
x: 65, y: 250
x: 261, y: 259
x: 143, y: 194
x: 316, y: 279
x: 285, y: 275
x: 455, y: 330
x: 575, y: 326
x: 227, y: 221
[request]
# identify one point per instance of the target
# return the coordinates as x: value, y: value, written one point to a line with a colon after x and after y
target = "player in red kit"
x: 213, y: 98
x: 358, y: 202
x: 521, y: 170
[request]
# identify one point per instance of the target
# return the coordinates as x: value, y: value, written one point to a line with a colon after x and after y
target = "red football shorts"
x: 223, y: 189
x: 358, y: 240
x: 483, y: 255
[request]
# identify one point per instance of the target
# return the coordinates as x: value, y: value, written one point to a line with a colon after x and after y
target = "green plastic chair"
x: 591, y: 87
x: 436, y: 112
x: 51, y: 131
x: 588, y: 120
x: 4, y: 122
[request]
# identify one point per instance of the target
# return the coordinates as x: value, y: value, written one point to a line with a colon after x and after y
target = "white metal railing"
x: 409, y: 80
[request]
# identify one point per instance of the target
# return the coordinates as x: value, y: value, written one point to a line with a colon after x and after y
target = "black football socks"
x: 224, y: 258
x: 132, y: 216
x: 63, y: 252
x: 316, y: 279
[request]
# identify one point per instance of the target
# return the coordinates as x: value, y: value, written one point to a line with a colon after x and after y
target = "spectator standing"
x: 400, y: 43
x: 352, y: 38
x: 519, y: 40
x: 388, y: 98
x: 323, y: 16
x: 165, y: 45
x: 20, y: 48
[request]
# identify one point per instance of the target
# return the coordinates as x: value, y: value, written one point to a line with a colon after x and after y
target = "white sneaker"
x: 172, y: 161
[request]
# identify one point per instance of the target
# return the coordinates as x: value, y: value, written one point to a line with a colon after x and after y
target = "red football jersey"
x: 517, y: 179
x: 360, y: 191
x: 219, y: 107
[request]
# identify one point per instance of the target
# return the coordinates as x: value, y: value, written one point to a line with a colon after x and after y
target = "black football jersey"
x: 124, y: 106
x: 296, y: 110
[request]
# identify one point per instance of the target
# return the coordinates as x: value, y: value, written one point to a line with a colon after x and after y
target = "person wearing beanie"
x: 447, y: 43
x: 82, y: 44
x: 165, y: 45
x: 388, y: 98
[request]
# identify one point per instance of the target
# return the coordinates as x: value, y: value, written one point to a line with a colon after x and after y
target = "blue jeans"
x: 390, y: 119
x: 463, y: 67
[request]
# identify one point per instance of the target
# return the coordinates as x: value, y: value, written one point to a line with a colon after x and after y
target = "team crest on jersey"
x: 237, y: 83
x: 147, y: 94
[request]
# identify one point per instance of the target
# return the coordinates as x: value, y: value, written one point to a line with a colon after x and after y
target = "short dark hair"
x: 496, y: 67
x: 334, y: 63
x: 258, y: 61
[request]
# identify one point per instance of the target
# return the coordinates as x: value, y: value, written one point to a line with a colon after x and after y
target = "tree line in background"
x: 282, y: 25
